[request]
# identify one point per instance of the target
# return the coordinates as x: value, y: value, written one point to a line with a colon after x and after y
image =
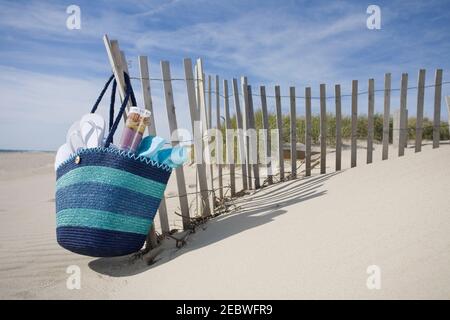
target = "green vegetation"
x: 346, y: 123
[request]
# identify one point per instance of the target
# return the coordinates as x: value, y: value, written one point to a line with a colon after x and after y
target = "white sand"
x: 307, y: 238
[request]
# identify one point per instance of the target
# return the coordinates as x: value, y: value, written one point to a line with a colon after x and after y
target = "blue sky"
x: 50, y: 76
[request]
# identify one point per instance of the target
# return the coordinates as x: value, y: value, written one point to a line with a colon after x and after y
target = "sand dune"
x: 306, y: 238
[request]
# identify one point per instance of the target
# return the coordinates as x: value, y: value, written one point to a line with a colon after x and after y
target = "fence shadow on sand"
x: 254, y: 210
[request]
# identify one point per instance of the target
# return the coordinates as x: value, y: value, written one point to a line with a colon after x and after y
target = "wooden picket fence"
x: 201, y: 94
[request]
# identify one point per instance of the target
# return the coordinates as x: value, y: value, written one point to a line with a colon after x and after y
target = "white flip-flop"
x: 92, y: 128
x: 62, y: 155
x: 74, y: 140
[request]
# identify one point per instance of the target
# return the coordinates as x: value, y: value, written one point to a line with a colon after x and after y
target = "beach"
x: 306, y: 238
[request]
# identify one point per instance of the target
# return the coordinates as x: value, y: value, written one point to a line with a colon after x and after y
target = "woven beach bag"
x: 106, y: 198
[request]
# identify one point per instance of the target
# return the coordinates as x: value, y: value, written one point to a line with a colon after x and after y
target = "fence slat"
x: 229, y: 139
x: 197, y: 88
x: 204, y: 123
x: 293, y: 133
x: 280, y: 131
x: 115, y: 59
x: 115, y: 64
x: 267, y: 137
x: 152, y: 238
x: 119, y: 56
x: 246, y: 125
x: 337, y: 97
x: 354, y: 123
x: 403, y: 116
x: 124, y: 60
x: 419, y: 115
x: 208, y: 113
x: 209, y: 110
x: 240, y: 132
x: 308, y: 129
x: 447, y: 100
x: 195, y: 118
x: 219, y: 142
x: 123, y: 65
x: 147, y: 97
x: 146, y: 91
x: 197, y: 104
x: 173, y: 126
x: 323, y: 129
x: 437, y: 108
x: 371, y: 107
x: 386, y: 115
x: 253, y: 138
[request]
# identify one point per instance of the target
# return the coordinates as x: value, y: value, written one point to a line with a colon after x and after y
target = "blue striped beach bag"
x: 106, y: 198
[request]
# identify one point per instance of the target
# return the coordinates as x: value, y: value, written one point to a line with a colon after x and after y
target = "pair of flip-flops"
x: 89, y: 132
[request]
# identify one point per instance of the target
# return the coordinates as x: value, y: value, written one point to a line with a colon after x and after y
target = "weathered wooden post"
x: 173, y: 126
x: 354, y: 123
x: 293, y: 134
x: 253, y: 136
x: 241, y: 136
x: 437, y: 108
x: 246, y: 131
x: 267, y: 138
x: 371, y: 107
x: 403, y: 136
x: 447, y: 100
x: 308, y: 131
x: 229, y: 139
x: 280, y: 131
x: 198, y: 145
x: 419, y: 116
x: 147, y: 97
x: 208, y: 113
x: 337, y: 97
x: 398, y: 127
x: 323, y: 129
x: 386, y: 115
x: 204, y: 123
x: 113, y: 51
x: 219, y: 140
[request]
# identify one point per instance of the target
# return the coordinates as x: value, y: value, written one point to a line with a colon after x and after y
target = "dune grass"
x: 346, y: 127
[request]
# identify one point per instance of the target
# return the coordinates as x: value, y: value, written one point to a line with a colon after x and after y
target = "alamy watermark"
x: 73, y: 21
x: 74, y: 280
x: 250, y: 146
x: 373, y: 282
x: 373, y: 22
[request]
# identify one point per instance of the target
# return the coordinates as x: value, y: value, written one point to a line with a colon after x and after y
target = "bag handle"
x: 129, y: 94
x: 111, y: 105
x: 100, y: 97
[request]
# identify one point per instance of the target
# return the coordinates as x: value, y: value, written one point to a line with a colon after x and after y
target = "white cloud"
x: 326, y: 44
x: 38, y: 108
x: 267, y: 46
